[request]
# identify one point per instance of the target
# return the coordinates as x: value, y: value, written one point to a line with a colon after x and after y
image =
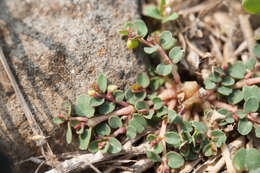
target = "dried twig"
x: 216, y: 50
x: 141, y: 166
x: 247, y: 32
x: 201, y: 7
x: 80, y: 162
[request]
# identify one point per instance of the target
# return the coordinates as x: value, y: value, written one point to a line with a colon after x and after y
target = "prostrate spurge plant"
x: 185, y: 121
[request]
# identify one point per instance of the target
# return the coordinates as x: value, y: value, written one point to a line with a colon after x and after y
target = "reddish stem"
x: 165, y: 57
x: 226, y: 106
x: 253, y: 81
x: 119, y: 131
x: 124, y: 111
x: 163, y: 130
x: 111, y: 98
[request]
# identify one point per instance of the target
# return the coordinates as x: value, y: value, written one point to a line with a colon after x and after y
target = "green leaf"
x: 93, y: 147
x: 140, y: 96
x: 173, y: 138
x: 235, y: 97
x: 228, y: 81
x: 241, y: 114
x: 151, y: 137
x: 150, y: 114
x: 224, y: 90
x: 244, y: 126
x: 103, y: 129
x: 172, y: 17
x: 223, y: 111
x: 141, y: 105
x: 152, y: 11
x: 141, y: 28
x: 143, y: 80
x: 154, y: 84
x: 200, y: 127
x: 176, y: 54
x: 229, y: 118
x: 157, y: 103
x: 115, y: 145
x: 119, y: 95
x: 257, y: 131
x: 150, y: 50
x: 249, y: 91
x: 102, y: 82
x: 173, y: 117
x: 153, y: 156
x: 239, y: 160
x: 130, y: 132
x: 83, y: 108
x: 106, y: 108
x: 158, y: 148
x: 129, y: 96
x: 250, y: 63
x: 219, y: 137
x: 166, y: 40
x: 140, y: 119
x: 115, y: 122
x: 164, y: 70
x: 220, y: 71
x: 96, y: 101
x: 175, y: 160
x: 162, y: 111
x: 251, y: 6
x: 58, y: 120
x: 256, y: 49
x: 214, y: 77
x: 132, y: 98
x: 238, y: 70
x: 208, y: 151
x: 252, y: 159
x: 209, y: 85
x: 187, y: 126
x: 130, y: 25
x: 84, y: 139
x: 66, y: 108
x: 69, y: 134
x: 251, y: 104
x: 139, y: 128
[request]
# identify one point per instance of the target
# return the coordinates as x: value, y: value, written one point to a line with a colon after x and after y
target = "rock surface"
x: 57, y: 48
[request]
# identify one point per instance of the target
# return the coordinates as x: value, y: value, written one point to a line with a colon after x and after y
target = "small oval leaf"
x: 164, y: 70
x: 84, y: 139
x: 115, y: 122
x: 244, y: 126
x: 102, y: 82
x: 175, y: 160
x: 143, y: 80
x: 176, y: 54
x: 69, y: 134
x: 115, y: 145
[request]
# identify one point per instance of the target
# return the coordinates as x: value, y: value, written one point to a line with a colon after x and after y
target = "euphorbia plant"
x: 185, y: 121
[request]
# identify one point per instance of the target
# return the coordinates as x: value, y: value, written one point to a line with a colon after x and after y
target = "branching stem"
x: 165, y: 57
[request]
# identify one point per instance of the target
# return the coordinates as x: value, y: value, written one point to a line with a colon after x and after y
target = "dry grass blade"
x: 247, y: 32
x: 50, y: 157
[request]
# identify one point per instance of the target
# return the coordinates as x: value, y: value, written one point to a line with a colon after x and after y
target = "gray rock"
x: 57, y: 48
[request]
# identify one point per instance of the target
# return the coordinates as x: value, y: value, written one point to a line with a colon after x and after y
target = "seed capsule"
x: 131, y: 44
